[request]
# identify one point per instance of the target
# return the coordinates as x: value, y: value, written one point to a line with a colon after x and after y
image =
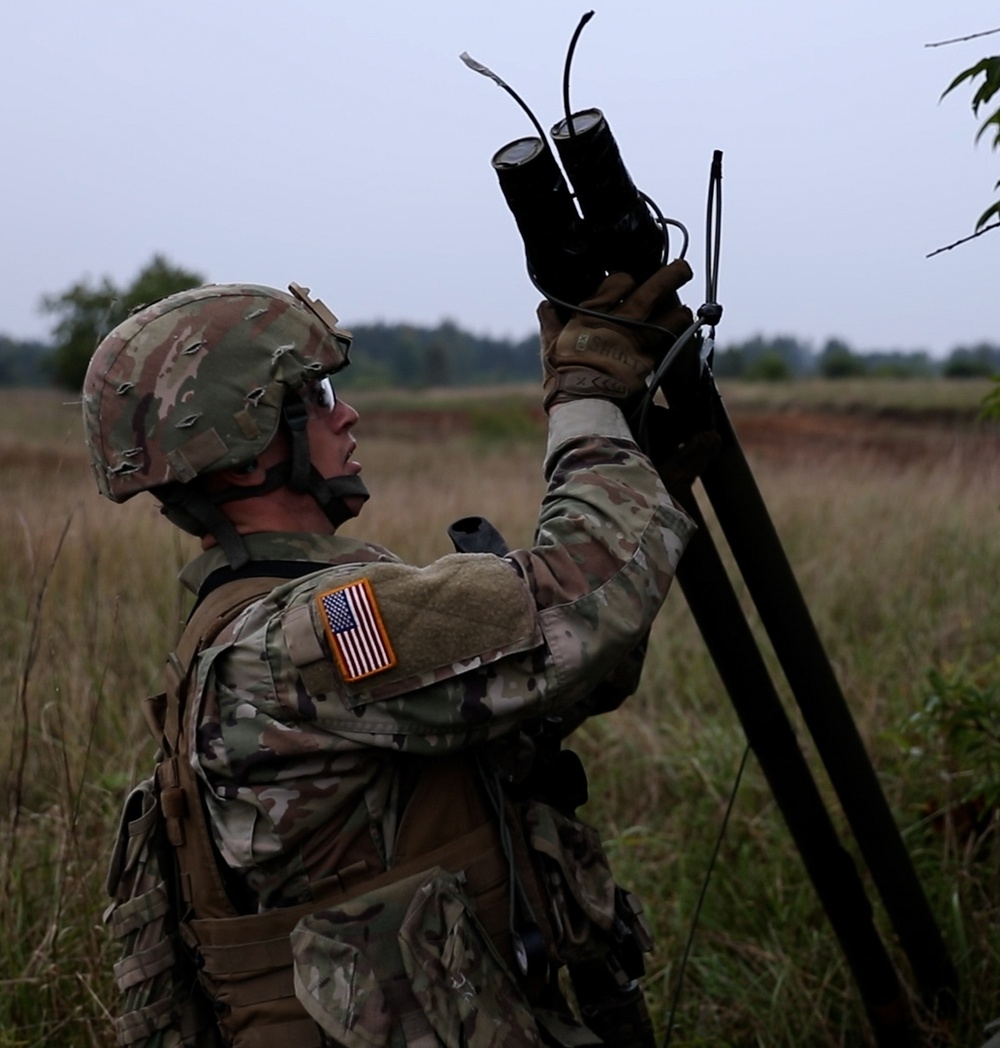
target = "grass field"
x: 886, y: 499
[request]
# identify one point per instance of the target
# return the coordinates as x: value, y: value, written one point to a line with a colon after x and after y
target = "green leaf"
x: 991, y: 83
x: 990, y: 70
x: 994, y: 119
x: 967, y: 74
x: 990, y: 212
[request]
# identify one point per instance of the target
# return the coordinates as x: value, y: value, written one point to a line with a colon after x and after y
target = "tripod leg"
x: 751, y: 536
x: 720, y: 619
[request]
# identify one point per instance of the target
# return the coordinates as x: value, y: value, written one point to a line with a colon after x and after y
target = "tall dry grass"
x: 897, y: 556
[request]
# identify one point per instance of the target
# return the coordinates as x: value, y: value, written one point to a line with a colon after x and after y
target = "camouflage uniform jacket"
x: 302, y: 753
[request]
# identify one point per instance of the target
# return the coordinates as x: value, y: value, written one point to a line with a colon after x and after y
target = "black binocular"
x: 570, y: 245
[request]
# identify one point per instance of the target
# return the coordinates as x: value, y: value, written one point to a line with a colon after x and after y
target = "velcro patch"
x: 463, y: 611
x: 355, y: 631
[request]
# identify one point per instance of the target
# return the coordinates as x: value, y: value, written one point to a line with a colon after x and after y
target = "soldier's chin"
x: 354, y: 504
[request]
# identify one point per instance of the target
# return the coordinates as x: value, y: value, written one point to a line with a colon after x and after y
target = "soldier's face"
x: 331, y: 443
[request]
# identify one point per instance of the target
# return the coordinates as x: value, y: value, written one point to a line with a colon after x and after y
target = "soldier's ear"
x: 245, y: 474
x: 249, y: 474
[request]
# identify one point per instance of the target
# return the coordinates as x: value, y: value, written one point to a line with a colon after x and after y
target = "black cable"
x: 566, y: 71
x: 701, y: 897
x: 663, y: 223
x: 713, y: 229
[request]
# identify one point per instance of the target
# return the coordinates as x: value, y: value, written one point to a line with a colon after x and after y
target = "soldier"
x: 370, y: 816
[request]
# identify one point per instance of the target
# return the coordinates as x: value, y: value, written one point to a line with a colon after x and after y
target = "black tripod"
x: 697, y: 415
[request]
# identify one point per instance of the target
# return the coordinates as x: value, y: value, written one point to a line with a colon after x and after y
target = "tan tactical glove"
x: 594, y: 357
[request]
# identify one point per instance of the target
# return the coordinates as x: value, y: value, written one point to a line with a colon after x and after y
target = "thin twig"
x: 964, y: 240
x: 962, y: 39
x: 77, y: 801
x: 85, y: 983
x: 671, y: 1015
x: 15, y: 787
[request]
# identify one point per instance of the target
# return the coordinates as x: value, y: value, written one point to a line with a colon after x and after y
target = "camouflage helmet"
x: 195, y: 383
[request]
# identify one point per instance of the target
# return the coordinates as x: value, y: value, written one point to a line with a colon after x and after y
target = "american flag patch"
x: 355, y: 631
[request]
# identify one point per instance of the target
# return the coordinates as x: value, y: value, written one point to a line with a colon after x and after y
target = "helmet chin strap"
x: 197, y: 513
x: 330, y: 493
x: 302, y: 476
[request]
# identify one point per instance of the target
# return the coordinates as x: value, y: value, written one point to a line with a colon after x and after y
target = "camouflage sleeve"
x: 603, y: 497
x: 576, y: 603
x: 472, y: 644
x: 607, y: 544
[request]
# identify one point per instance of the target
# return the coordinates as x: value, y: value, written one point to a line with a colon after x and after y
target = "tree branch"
x: 962, y: 39
x: 964, y: 240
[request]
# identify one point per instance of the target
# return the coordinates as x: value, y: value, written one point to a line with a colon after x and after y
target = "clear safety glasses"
x: 320, y: 395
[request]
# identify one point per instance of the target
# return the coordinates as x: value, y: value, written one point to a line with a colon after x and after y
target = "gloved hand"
x: 594, y: 357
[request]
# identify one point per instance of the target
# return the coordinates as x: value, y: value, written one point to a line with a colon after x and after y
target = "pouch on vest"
x: 409, y: 966
x: 590, y: 915
x: 163, y: 1005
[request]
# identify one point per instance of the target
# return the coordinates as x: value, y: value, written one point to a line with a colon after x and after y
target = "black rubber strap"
x: 281, y: 569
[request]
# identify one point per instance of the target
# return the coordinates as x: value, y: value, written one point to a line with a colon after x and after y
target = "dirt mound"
x: 892, y: 440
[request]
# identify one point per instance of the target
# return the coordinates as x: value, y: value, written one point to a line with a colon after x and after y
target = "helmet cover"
x: 195, y: 382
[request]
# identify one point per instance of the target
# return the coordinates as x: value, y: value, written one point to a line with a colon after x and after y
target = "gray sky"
x: 346, y: 147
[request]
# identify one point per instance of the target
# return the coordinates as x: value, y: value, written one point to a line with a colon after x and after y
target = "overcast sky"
x: 346, y: 147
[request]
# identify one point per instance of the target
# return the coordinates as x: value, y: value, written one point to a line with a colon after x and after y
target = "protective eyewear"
x: 320, y: 394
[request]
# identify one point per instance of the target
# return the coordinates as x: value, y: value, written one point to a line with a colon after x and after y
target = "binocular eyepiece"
x: 561, y: 260
x: 570, y: 246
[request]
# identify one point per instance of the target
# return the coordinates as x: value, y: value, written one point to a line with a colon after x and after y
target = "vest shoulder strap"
x: 201, y: 880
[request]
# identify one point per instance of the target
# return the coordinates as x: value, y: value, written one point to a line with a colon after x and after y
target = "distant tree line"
x: 404, y: 355
x: 411, y: 356
x: 784, y: 357
x: 22, y: 363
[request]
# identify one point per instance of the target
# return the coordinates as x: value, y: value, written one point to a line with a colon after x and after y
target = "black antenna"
x: 478, y: 67
x: 566, y: 69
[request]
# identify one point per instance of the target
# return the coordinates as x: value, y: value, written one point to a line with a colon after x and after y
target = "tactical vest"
x: 245, y: 985
x: 245, y: 962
